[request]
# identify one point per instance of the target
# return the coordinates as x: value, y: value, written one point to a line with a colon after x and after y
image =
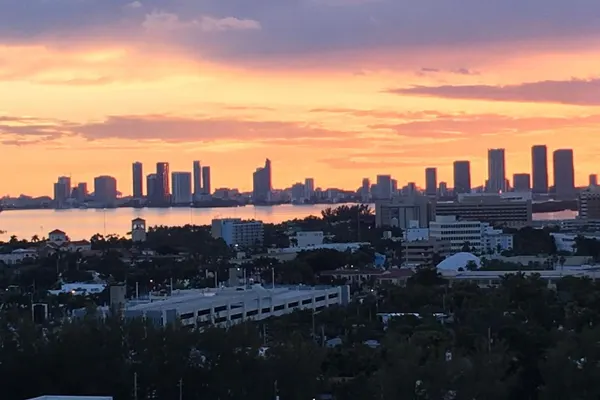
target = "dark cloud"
x: 292, y: 27
x: 574, y: 92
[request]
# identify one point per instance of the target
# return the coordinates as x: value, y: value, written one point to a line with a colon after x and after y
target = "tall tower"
x: 163, y: 188
x: 197, y: 178
x: 138, y: 180
x: 564, y: 174
x: 431, y: 181
x: 138, y: 230
x: 462, y: 177
x: 496, y: 171
x: 539, y: 169
x: 206, y: 180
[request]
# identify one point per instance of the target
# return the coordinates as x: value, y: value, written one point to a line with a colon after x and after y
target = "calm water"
x: 82, y: 224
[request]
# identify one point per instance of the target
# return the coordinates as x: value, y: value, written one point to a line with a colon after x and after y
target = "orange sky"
x: 93, y: 109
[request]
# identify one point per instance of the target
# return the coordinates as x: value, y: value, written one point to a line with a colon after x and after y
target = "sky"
x: 336, y: 90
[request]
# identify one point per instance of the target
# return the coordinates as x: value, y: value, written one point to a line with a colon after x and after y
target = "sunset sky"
x: 337, y: 90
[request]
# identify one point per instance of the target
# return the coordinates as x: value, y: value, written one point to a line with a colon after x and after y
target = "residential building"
x: 479, y: 236
x: 564, y: 174
x: 19, y: 256
x: 62, y: 191
x: 400, y: 211
x: 236, y: 232
x: 197, y: 178
x: 589, y: 203
x: 298, y: 192
x: 539, y: 169
x: 462, y: 177
x: 521, y: 182
x: 262, y: 185
x: 162, y: 187
x: 491, y: 208
x: 424, y: 251
x: 309, y: 188
x: 496, y: 182
x: 307, y: 239
x: 82, y: 192
x: 431, y: 181
x: 182, y: 188
x: 443, y: 189
x: 138, y: 180
x: 151, y: 186
x: 384, y: 187
x: 105, y: 190
x: 206, y: 186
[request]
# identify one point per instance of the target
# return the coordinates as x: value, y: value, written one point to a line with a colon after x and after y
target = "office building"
x: 539, y: 169
x: 151, y: 186
x: 365, y: 190
x: 162, y: 190
x: 105, y: 190
x: 431, y: 181
x: 206, y: 188
x: 298, y: 192
x: 564, y: 174
x: 521, y: 182
x: 443, y: 189
x: 401, y: 211
x: 423, y: 251
x: 138, y: 180
x: 462, y: 177
x: 197, y: 178
x: 496, y: 182
x: 80, y: 192
x: 236, y: 232
x: 491, y: 208
x: 384, y: 187
x: 480, y: 237
x: 309, y: 188
x: 593, y: 180
x: 182, y: 188
x: 262, y: 186
x: 589, y: 204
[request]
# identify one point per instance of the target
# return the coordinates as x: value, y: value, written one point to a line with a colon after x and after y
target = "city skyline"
x: 365, y: 88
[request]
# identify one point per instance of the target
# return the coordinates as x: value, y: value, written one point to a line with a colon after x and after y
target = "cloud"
x: 164, y: 21
x: 25, y: 130
x: 574, y: 92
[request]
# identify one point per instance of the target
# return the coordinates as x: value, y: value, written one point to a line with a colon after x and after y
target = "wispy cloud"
x: 573, y: 92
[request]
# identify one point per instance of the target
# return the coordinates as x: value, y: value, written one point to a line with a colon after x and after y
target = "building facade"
x: 206, y: 185
x: 400, y: 211
x: 430, y: 181
x: 539, y: 169
x: 105, y: 190
x: 496, y: 182
x: 261, y: 183
x: 182, y: 188
x: 137, y: 180
x: 564, y: 174
x: 492, y: 209
x: 589, y: 204
x: 521, y: 182
x: 236, y: 232
x: 462, y: 177
x: 480, y: 237
x: 197, y: 178
x: 162, y: 187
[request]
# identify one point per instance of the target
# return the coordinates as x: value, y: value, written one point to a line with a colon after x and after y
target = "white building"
x: 480, y: 236
x: 236, y: 232
x: 326, y: 246
x: 138, y: 230
x: 57, y: 237
x: 182, y: 187
x: 79, y: 289
x: 228, y: 306
x: 566, y: 241
x: 18, y: 256
x: 307, y: 239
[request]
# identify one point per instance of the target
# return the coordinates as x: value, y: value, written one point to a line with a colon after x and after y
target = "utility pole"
x: 135, y: 386
x: 181, y: 389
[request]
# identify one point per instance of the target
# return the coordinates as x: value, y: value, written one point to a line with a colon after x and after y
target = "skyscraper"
x: 593, y: 180
x: 197, y: 178
x: 564, y: 174
x: 138, y: 180
x: 182, y: 187
x: 521, y: 182
x: 151, y: 186
x: 539, y: 169
x: 365, y: 190
x: 462, y: 177
x: 496, y: 171
x: 206, y: 180
x: 261, y: 183
x: 162, y: 192
x: 309, y: 188
x: 105, y: 190
x: 431, y: 181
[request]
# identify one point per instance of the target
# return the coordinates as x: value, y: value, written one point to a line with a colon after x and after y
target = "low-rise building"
x: 400, y: 211
x: 307, y: 239
x: 494, y: 209
x: 479, y: 236
x: 424, y: 251
x: 19, y: 256
x: 589, y: 203
x: 236, y: 232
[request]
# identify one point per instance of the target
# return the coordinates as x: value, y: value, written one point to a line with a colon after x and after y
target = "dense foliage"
x: 521, y: 340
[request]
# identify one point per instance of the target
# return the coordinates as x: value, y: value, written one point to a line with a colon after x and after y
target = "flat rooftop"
x: 192, y: 300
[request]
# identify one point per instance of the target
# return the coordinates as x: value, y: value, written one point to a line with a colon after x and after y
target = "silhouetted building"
x: 564, y: 174
x: 197, y: 178
x: 138, y: 180
x: 384, y: 187
x: 261, y: 188
x: 593, y: 180
x: 496, y: 182
x: 151, y: 186
x: 462, y: 177
x: 431, y: 181
x: 182, y: 188
x: 163, y: 188
x: 105, y: 190
x: 521, y: 182
x: 206, y: 189
x: 539, y: 169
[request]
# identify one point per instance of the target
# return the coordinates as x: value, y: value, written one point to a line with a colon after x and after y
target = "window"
x: 307, y: 301
x: 320, y: 298
x: 220, y: 308
x: 333, y: 295
x: 187, y: 315
x: 278, y: 308
x: 251, y: 313
x: 294, y: 304
x: 266, y: 310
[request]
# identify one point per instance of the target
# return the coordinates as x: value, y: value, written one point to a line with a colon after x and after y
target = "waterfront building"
x: 236, y: 232
x: 589, y: 204
x: 462, y: 177
x: 539, y: 169
x: 262, y: 185
x: 105, y: 190
x: 138, y: 180
x: 564, y: 174
x: 182, y: 188
x: 521, y: 182
x: 206, y: 188
x: 430, y: 181
x: 197, y: 179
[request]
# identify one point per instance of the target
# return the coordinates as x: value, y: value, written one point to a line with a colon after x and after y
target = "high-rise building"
x: 163, y: 188
x: 462, y: 177
x: 298, y: 192
x: 197, y: 178
x: 151, y: 186
x: 182, y: 188
x: 105, y: 190
x: 206, y: 189
x: 82, y: 192
x: 539, y: 169
x: 589, y: 203
x: 365, y: 190
x: 496, y: 171
x: 138, y: 180
x: 430, y: 181
x: 309, y: 188
x: 384, y: 187
x: 261, y: 179
x: 443, y: 189
x: 593, y: 180
x: 62, y: 191
x: 564, y: 174
x: 521, y: 182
